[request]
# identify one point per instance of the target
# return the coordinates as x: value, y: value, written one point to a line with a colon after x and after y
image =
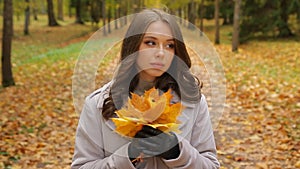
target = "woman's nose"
x: 160, y: 51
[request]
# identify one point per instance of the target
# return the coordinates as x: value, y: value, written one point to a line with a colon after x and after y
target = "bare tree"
x: 179, y: 10
x: 51, y: 18
x: 122, y: 12
x: 201, y: 8
x: 125, y: 6
x: 27, y: 18
x: 104, y: 17
x: 191, y: 14
x: 116, y: 14
x: 236, y: 25
x: 35, y: 10
x: 109, y: 18
x: 95, y: 11
x: 78, y: 12
x: 217, y: 33
x: 7, y: 76
x: 284, y: 30
x: 70, y: 9
x: 60, y: 10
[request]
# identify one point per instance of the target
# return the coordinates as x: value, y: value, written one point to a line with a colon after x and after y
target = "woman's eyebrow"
x: 172, y: 39
x: 153, y: 37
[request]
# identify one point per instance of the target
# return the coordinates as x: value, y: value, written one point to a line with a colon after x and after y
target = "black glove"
x: 134, y: 149
x: 154, y: 142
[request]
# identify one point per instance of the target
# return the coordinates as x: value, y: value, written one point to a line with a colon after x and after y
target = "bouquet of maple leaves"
x: 150, y: 109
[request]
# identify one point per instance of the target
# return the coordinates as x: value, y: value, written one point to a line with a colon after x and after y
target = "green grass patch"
x: 69, y: 52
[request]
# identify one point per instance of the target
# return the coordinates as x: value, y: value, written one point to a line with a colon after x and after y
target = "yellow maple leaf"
x: 126, y: 127
x: 150, y: 109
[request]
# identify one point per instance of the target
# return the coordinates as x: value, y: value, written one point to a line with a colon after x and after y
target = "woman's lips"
x: 157, y: 65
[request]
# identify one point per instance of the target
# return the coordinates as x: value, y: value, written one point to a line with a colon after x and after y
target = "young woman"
x: 153, y: 54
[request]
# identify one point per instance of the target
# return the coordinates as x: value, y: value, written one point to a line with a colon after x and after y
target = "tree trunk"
x: 217, y: 33
x: 191, y: 14
x: 298, y: 11
x: 116, y: 15
x: 104, y: 18
x: 186, y: 15
x: 201, y: 17
x: 179, y: 15
x: 70, y: 9
x: 120, y: 14
x: 95, y: 11
x: 127, y: 4
x: 35, y: 10
x: 78, y: 12
x: 109, y: 18
x: 7, y: 76
x: 27, y: 18
x: 284, y: 30
x: 124, y: 5
x: 60, y: 10
x: 236, y: 25
x: 298, y: 16
x: 51, y: 17
x: 43, y: 7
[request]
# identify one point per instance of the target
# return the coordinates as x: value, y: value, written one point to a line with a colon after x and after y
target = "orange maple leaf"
x: 150, y: 109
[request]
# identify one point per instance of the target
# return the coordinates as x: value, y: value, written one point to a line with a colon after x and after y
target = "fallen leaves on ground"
x: 37, y: 118
x: 259, y: 127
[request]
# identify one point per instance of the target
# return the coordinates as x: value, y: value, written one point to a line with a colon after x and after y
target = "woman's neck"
x: 142, y: 86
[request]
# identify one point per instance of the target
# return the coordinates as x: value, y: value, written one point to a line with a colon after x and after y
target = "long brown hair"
x: 178, y: 77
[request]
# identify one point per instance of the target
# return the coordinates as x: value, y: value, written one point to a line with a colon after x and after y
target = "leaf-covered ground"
x: 260, y: 126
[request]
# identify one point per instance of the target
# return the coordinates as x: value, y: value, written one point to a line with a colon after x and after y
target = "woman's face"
x: 156, y: 51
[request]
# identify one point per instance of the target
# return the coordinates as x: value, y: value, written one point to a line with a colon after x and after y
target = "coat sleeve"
x: 200, y: 152
x: 89, y: 151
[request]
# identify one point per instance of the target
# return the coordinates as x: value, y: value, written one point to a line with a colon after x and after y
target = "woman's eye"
x: 170, y: 46
x: 150, y: 43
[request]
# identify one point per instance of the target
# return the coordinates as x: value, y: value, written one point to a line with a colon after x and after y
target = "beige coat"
x: 97, y: 146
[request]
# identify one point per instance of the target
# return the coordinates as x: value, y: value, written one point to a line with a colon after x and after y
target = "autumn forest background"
x: 257, y: 42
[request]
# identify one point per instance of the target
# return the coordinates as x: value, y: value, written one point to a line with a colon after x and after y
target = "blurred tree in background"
x: 51, y: 18
x: 27, y: 18
x: 268, y: 17
x: 7, y: 76
x: 272, y: 18
x: 256, y: 18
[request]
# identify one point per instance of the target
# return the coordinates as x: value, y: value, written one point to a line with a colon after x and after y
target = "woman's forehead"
x: 159, y: 28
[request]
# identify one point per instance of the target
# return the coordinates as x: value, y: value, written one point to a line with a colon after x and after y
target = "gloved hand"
x: 134, y: 149
x: 154, y: 142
